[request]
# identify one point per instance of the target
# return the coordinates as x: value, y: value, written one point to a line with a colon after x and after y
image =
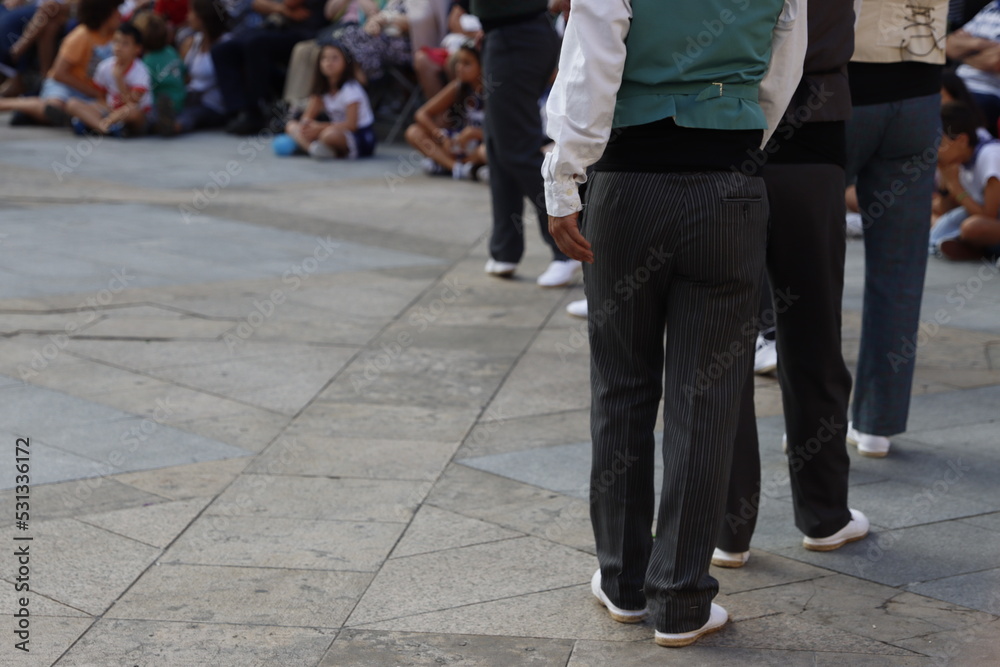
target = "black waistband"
x: 491, y: 24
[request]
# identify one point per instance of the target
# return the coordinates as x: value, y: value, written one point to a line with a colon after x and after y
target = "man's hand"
x: 566, y: 232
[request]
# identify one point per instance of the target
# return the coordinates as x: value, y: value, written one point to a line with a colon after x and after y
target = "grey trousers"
x: 681, y: 255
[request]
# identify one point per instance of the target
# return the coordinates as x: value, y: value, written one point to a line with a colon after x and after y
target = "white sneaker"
x: 716, y: 619
x: 722, y: 558
x: 855, y: 225
x: 620, y: 615
x: 784, y: 442
x: 483, y: 175
x: 765, y: 356
x: 559, y: 273
x: 500, y: 269
x: 855, y: 529
x: 873, y: 446
x: 577, y: 308
x: 321, y: 151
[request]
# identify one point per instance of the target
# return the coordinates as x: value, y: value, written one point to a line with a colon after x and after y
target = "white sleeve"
x: 102, y: 75
x: 581, y: 105
x: 788, y: 55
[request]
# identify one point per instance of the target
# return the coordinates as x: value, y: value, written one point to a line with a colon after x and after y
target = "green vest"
x: 699, y: 61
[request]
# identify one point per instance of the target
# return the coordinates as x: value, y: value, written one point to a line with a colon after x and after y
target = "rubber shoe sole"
x: 722, y: 558
x: 716, y: 620
x: 856, y: 529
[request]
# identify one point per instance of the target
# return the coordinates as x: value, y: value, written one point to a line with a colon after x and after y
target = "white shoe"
x: 620, y: 615
x: 784, y: 442
x: 874, y: 446
x: 855, y: 225
x: 722, y: 558
x: 855, y: 529
x: 483, y: 175
x: 559, y: 273
x: 321, y: 151
x: 577, y: 308
x: 765, y: 356
x: 716, y: 619
x: 500, y: 269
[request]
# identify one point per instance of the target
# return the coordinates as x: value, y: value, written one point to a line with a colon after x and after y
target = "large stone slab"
x: 50, y: 637
x: 300, y: 544
x: 458, y: 577
x: 590, y: 653
x: 197, y: 480
x: 978, y: 590
x: 155, y: 525
x: 320, y: 498
x: 255, y: 596
x: 85, y: 496
x: 172, y: 643
x: 384, y: 422
x: 434, y: 529
x: 363, y: 648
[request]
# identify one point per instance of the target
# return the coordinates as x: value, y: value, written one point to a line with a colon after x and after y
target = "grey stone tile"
x: 50, y: 637
x: 320, y: 498
x: 910, y: 555
x: 384, y: 422
x: 148, y: 328
x: 85, y: 496
x: 181, y: 403
x: 196, y: 480
x: 434, y: 529
x: 765, y: 571
x: 515, y: 506
x: 987, y: 521
x: 49, y: 464
x: 981, y: 435
x: 969, y: 647
x: 42, y: 412
x: 785, y: 632
x: 87, y: 379
x: 468, y: 575
x: 487, y: 340
x: 880, y: 613
x: 251, y: 430
x: 544, y: 383
x: 364, y: 648
x: 562, y: 613
x: 300, y: 544
x: 589, y: 653
x: 155, y: 525
x: 354, y: 457
x: 83, y: 566
x: 128, y: 643
x: 497, y: 433
x: 256, y: 596
x: 898, y: 505
x: 835, y: 659
x: 939, y: 411
x: 38, y: 604
x: 978, y: 590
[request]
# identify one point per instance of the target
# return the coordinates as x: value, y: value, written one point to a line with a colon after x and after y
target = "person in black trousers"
x: 803, y: 170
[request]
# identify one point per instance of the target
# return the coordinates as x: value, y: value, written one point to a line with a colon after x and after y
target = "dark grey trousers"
x: 518, y: 61
x: 805, y: 265
x: 679, y: 254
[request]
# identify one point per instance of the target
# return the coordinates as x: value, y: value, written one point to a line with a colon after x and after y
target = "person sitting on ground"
x: 203, y: 105
x: 166, y: 71
x: 970, y: 172
x: 448, y: 129
x: 347, y: 131
x: 27, y: 26
x: 125, y: 83
x: 70, y: 76
x: 977, y: 46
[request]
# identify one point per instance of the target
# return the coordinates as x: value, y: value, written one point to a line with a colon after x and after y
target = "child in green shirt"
x: 166, y: 69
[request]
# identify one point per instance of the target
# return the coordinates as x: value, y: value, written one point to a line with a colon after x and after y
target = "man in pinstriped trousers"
x: 674, y: 245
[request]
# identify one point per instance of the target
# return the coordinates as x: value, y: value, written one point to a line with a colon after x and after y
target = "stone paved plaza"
x: 279, y: 416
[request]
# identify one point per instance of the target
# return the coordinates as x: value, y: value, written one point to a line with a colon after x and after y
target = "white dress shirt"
x: 582, y: 102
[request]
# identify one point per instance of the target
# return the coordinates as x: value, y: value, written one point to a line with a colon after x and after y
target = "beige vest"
x: 892, y: 31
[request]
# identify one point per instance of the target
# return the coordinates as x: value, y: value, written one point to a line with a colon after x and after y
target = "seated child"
x: 70, y: 76
x: 348, y: 130
x: 203, y: 106
x: 970, y: 173
x: 166, y: 71
x: 448, y: 129
x: 124, y: 81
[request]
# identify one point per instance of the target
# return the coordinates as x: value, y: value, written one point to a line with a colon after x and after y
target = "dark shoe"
x: 56, y: 116
x: 246, y: 123
x: 958, y: 250
x: 166, y: 119
x: 21, y: 119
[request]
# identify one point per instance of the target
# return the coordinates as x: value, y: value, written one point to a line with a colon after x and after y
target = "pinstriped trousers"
x: 674, y: 283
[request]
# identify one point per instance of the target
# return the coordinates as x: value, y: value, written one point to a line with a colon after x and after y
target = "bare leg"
x: 419, y: 138
x: 89, y: 113
x: 30, y: 106
x: 294, y: 129
x: 336, y: 139
x: 980, y: 230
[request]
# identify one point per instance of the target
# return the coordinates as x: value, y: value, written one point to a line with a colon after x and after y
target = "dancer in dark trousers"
x: 803, y: 168
x: 674, y: 237
x: 520, y: 51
